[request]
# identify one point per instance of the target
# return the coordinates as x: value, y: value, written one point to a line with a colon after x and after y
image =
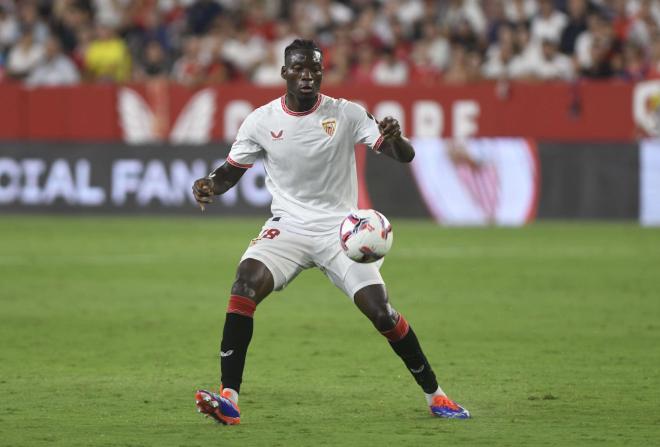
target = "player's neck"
x: 300, y: 104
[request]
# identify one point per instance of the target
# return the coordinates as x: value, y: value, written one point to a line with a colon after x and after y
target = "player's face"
x: 303, y: 73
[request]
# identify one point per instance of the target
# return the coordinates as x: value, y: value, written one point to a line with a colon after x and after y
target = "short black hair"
x: 301, y: 44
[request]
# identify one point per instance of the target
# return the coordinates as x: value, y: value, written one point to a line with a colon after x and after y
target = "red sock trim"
x: 241, y: 305
x: 399, y: 330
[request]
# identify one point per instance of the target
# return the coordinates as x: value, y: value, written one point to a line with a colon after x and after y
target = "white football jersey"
x: 309, y: 158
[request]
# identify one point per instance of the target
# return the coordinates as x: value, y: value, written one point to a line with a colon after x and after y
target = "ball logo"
x: 365, y: 225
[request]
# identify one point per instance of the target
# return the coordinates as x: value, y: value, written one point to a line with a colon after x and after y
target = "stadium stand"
x: 385, y: 42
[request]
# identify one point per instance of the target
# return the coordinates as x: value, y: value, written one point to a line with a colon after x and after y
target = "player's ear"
x: 283, y: 72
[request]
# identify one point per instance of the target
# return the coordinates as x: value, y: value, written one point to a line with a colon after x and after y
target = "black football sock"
x: 404, y: 342
x: 236, y: 337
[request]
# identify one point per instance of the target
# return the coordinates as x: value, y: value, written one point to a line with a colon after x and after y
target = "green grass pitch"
x: 549, y: 334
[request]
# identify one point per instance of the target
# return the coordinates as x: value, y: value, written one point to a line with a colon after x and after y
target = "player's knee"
x: 384, y: 319
x: 244, y: 287
x: 248, y: 285
x: 252, y: 281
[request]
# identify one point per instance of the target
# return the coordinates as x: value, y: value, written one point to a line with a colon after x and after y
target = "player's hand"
x: 203, y: 190
x: 389, y: 128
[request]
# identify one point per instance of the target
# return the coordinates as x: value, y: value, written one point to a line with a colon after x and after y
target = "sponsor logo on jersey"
x: 278, y: 135
x: 329, y: 126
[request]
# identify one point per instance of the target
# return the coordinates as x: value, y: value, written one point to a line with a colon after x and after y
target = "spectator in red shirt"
x: 423, y: 71
x: 363, y: 69
x: 621, y: 22
x: 188, y: 69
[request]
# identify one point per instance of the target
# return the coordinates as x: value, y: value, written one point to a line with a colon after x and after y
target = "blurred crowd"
x: 382, y: 42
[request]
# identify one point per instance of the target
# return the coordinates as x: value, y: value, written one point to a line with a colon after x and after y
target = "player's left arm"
x: 394, y: 145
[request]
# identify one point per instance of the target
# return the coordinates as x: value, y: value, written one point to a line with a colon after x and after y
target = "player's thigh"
x: 283, y: 252
x: 349, y: 276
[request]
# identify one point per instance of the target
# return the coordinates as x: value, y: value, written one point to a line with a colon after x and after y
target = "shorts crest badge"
x: 329, y: 126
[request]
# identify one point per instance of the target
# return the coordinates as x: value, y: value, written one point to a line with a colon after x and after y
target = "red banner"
x: 587, y: 111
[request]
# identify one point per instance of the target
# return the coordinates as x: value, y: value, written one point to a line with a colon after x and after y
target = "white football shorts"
x: 286, y: 253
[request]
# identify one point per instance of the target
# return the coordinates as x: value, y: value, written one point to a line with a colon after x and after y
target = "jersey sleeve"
x: 245, y: 149
x: 365, y: 126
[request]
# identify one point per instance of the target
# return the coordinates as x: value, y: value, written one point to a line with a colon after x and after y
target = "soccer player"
x: 307, y: 141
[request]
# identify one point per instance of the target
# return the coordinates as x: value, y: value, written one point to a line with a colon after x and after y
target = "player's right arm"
x: 216, y: 183
x: 242, y: 155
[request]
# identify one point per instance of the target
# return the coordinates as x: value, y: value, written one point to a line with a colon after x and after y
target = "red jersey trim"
x: 377, y: 144
x: 307, y: 112
x: 232, y: 162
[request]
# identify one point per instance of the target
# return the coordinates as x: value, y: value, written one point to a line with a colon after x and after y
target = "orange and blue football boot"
x: 444, y: 407
x: 218, y: 406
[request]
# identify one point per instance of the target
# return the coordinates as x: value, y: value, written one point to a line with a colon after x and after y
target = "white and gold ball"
x: 365, y: 236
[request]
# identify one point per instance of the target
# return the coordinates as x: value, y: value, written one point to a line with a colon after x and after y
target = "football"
x: 365, y: 236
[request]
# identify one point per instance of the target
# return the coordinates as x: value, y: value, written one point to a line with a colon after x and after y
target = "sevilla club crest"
x: 479, y: 177
x: 329, y: 126
x: 485, y: 181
